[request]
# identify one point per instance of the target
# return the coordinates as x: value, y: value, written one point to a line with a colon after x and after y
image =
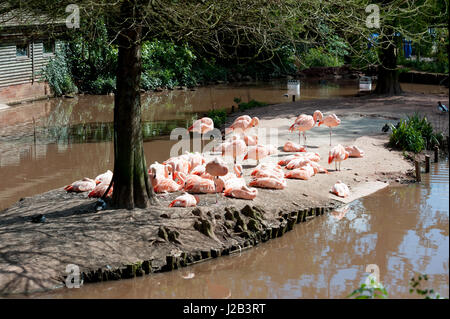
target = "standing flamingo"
x: 257, y: 153
x: 216, y: 168
x: 331, y: 121
x: 304, y: 123
x: 337, y: 154
x: 202, y: 126
x: 234, y: 149
x: 242, y: 123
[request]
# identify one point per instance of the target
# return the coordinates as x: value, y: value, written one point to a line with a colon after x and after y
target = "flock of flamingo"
x: 192, y: 174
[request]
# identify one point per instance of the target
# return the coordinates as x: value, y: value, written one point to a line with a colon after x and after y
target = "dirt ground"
x: 114, y: 244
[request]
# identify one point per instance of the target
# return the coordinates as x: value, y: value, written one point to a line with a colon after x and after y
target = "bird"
x: 304, y: 123
x: 84, y: 185
x: 293, y: 147
x: 243, y: 192
x: 331, y: 121
x: 185, y: 200
x: 160, y: 170
x: 268, y: 182
x: 385, y: 128
x: 256, y: 152
x: 337, y: 154
x: 100, y: 190
x: 202, y: 126
x: 250, y: 140
x: 197, y: 185
x: 234, y: 149
x: 104, y: 178
x: 354, y: 151
x: 216, y: 168
x: 442, y: 108
x: 242, y: 123
x: 340, y: 189
x: 300, y: 173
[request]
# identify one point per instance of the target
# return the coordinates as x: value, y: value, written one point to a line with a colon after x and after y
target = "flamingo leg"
x: 215, y: 190
x: 299, y: 137
x: 304, y: 137
x: 330, y: 136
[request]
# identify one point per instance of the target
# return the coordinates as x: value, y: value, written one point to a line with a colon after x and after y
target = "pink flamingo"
x: 200, y: 185
x: 242, y: 192
x: 354, y: 151
x: 216, y: 168
x: 268, y: 182
x: 202, y: 126
x: 331, y: 121
x: 299, y: 173
x: 104, y: 178
x: 85, y: 185
x: 340, y: 189
x: 337, y: 154
x: 235, y: 149
x: 100, y: 190
x: 185, y: 200
x: 257, y: 153
x: 293, y: 147
x: 242, y: 124
x: 304, y: 123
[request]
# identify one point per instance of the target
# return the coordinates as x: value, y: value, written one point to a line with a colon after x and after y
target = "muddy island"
x: 119, y: 244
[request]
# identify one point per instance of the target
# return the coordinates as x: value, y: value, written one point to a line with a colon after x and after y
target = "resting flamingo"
x: 85, y: 185
x: 185, y: 200
x: 304, y: 123
x: 293, y: 147
x: 243, y: 192
x: 340, y: 189
x: 337, y: 154
x: 242, y: 124
x: 331, y: 121
x: 354, y: 151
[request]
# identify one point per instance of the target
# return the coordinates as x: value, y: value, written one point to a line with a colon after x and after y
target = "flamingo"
x: 293, y: 147
x: 104, y: 178
x: 185, y: 200
x: 242, y: 124
x: 299, y: 173
x: 160, y: 170
x: 84, y: 185
x: 337, y: 154
x: 167, y: 185
x: 235, y: 148
x: 216, y: 168
x: 250, y: 140
x: 100, y: 190
x: 331, y: 121
x: 304, y: 123
x: 242, y: 192
x: 340, y: 189
x: 256, y: 152
x: 268, y: 182
x: 354, y: 151
x: 202, y: 126
x: 202, y: 185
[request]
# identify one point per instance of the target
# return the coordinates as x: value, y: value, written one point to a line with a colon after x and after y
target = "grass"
x: 248, y: 105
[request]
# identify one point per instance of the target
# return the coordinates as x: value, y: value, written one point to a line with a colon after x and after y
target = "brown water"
x: 403, y: 230
x: 71, y: 138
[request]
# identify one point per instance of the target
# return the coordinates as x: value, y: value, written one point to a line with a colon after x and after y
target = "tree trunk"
x: 132, y: 187
x: 388, y: 77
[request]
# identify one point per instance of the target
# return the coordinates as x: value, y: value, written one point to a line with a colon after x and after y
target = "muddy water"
x: 49, y: 144
x: 403, y: 230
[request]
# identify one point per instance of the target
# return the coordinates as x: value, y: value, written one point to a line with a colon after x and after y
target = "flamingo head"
x: 255, y: 121
x: 346, y: 155
x: 317, y: 116
x: 238, y: 170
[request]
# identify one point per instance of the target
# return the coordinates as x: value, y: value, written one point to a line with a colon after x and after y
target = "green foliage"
x: 249, y: 105
x: 218, y: 116
x: 207, y: 70
x: 414, y: 134
x: 165, y: 64
x: 374, y: 291
x: 102, y: 85
x: 58, y: 75
x: 319, y: 57
x: 415, y: 286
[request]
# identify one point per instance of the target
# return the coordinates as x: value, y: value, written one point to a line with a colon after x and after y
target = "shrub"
x: 103, y: 85
x: 58, y: 75
x: 414, y: 134
x: 319, y: 57
x: 218, y: 116
x: 249, y: 105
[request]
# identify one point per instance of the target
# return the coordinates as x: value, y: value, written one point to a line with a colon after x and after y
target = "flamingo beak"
x: 97, y: 182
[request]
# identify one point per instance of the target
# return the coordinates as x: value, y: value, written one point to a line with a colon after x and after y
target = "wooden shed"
x: 25, y: 49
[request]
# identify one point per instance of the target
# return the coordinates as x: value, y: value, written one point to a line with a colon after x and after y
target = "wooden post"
x: 293, y: 98
x: 418, y: 177
x: 232, y: 108
x: 436, y: 154
x: 427, y: 163
x: 34, y: 130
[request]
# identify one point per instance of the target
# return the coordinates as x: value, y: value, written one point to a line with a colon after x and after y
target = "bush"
x: 319, y: 57
x: 58, y: 75
x: 414, y: 134
x: 218, y: 116
x: 102, y: 85
x: 249, y: 105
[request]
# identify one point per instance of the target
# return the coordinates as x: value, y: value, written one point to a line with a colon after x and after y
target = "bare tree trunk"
x: 388, y: 77
x: 132, y: 187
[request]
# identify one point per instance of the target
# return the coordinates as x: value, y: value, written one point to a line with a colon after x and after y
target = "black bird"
x: 442, y: 108
x: 385, y: 128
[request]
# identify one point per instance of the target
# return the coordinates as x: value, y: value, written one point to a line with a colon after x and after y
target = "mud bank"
x: 118, y: 244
